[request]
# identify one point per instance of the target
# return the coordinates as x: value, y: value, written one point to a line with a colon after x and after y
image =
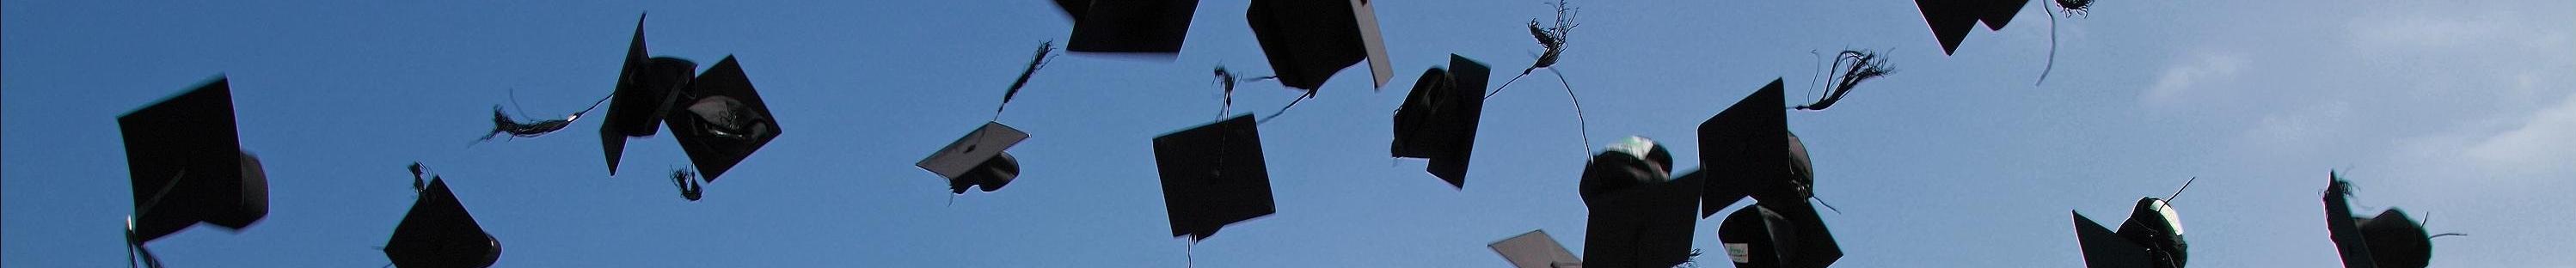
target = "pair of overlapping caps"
x: 1213, y: 175
x: 2152, y: 237
x: 185, y: 157
x: 1642, y: 216
x: 717, y: 116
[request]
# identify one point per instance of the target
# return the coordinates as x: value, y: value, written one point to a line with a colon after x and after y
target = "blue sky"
x: 2459, y: 110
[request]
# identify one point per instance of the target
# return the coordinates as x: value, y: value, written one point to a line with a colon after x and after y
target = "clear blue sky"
x: 2459, y: 110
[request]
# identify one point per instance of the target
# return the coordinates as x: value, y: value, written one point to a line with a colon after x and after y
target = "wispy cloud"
x: 2192, y: 77
x: 2544, y: 144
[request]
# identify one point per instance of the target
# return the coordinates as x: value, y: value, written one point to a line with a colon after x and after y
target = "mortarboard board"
x: 1638, y: 217
x: 1752, y: 152
x: 1213, y: 176
x: 1074, y: 8
x: 2390, y: 240
x: 1535, y: 249
x: 184, y: 157
x: 1146, y: 26
x: 1307, y: 41
x: 1952, y: 19
x: 2151, y: 237
x: 1438, y: 119
x: 2104, y: 249
x: 439, y: 233
x: 1761, y: 236
x: 646, y: 89
x: 977, y: 158
x: 721, y: 119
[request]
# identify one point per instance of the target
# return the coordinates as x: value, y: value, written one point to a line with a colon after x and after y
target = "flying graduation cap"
x: 717, y: 116
x: 1750, y: 152
x: 1952, y: 19
x: 1213, y: 176
x: 1640, y: 216
x: 1761, y: 236
x: 1130, y: 26
x: 185, y: 160
x: 1535, y: 249
x: 1307, y: 41
x: 1749, y: 148
x: 646, y: 90
x: 1438, y: 120
x: 977, y: 159
x: 2150, y: 238
x: 720, y: 120
x: 2390, y: 240
x: 439, y: 233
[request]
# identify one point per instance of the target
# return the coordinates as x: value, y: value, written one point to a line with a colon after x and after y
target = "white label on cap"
x: 2171, y: 218
x: 1633, y: 146
x: 1739, y: 252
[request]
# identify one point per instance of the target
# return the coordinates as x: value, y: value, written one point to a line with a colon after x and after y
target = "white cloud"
x: 2303, y: 130
x: 2192, y: 77
x: 2425, y: 32
x: 2544, y: 144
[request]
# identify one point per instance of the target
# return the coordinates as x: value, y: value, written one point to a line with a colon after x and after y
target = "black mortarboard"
x: 1535, y: 249
x: 977, y: 158
x: 439, y: 233
x: 1752, y: 152
x: 185, y: 159
x: 2151, y: 237
x: 1147, y: 26
x: 1638, y: 217
x: 1213, y: 176
x: 2390, y: 240
x: 1952, y: 19
x: 1438, y: 120
x: 721, y: 120
x: 1761, y: 236
x: 1309, y: 40
x: 646, y: 89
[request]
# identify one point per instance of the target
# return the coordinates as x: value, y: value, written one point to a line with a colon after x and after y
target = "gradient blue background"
x: 2457, y: 109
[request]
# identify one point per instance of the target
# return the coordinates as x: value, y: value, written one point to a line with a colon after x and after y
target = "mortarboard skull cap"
x: 646, y: 88
x: 184, y: 158
x: 977, y: 158
x: 1438, y: 119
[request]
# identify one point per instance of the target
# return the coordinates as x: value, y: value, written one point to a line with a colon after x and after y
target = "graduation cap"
x: 1761, y: 236
x: 1438, y: 120
x: 1952, y: 19
x: 720, y: 119
x: 185, y: 159
x: 2151, y: 237
x: 646, y: 90
x: 1142, y: 26
x: 1752, y: 153
x: 1535, y: 249
x: 1309, y: 40
x: 1639, y: 216
x: 978, y: 159
x: 439, y: 233
x: 1213, y: 176
x: 2388, y: 240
